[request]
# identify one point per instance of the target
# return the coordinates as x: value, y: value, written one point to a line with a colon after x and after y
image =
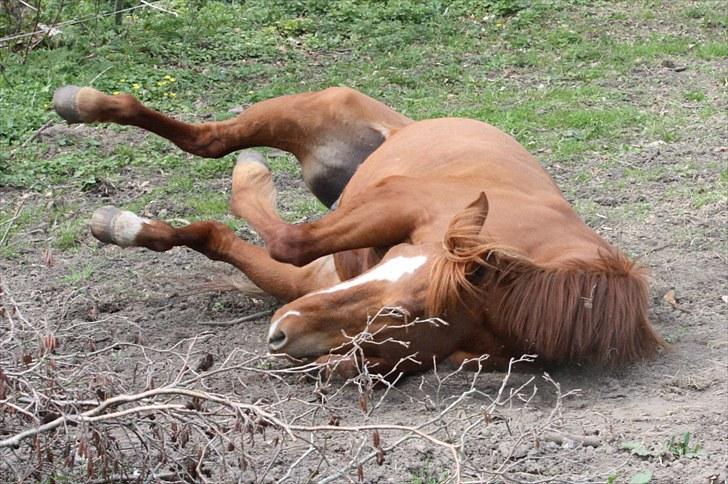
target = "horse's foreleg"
x: 380, y: 217
x: 253, y: 193
x: 218, y: 242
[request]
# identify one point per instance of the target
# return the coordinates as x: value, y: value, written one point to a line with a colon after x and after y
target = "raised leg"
x: 331, y: 132
x: 218, y: 242
x: 253, y: 196
x: 253, y: 199
x: 377, y: 218
x: 374, y: 220
x: 253, y: 193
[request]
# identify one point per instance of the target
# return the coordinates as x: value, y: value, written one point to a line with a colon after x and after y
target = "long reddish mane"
x: 582, y: 311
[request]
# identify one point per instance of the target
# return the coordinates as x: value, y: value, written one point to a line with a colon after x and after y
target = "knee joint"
x: 288, y: 244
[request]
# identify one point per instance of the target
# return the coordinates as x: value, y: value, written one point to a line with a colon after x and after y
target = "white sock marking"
x: 126, y: 227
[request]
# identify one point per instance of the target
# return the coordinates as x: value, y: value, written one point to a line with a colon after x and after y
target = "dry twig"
x: 65, y: 409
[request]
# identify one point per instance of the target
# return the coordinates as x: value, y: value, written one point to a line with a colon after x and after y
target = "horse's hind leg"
x: 330, y: 132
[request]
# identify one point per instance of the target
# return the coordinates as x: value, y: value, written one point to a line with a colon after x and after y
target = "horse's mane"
x: 582, y: 311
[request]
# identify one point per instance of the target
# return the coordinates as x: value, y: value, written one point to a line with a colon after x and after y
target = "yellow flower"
x: 162, y: 83
x: 136, y: 86
x: 115, y: 93
x: 169, y: 78
x: 122, y: 80
x: 172, y: 94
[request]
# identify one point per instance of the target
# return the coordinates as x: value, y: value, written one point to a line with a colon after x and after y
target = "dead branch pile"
x: 80, y: 402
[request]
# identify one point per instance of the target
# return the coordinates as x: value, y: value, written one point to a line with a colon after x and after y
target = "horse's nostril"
x: 277, y: 340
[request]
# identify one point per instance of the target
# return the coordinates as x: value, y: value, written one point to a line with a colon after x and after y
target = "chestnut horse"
x: 447, y: 218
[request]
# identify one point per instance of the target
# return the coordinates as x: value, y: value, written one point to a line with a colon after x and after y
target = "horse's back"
x: 455, y: 148
x: 450, y: 161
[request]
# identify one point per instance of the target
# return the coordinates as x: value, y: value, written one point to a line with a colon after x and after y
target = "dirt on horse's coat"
x: 447, y: 218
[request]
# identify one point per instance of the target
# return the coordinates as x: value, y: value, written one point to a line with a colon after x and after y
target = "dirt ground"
x: 99, y: 296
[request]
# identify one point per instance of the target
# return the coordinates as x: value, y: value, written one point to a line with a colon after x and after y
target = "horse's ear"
x: 453, y: 272
x: 466, y: 225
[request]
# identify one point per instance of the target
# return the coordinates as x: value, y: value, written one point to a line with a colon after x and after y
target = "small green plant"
x: 681, y: 447
x: 640, y: 450
x: 697, y: 96
x: 506, y: 7
x: 79, y: 275
x: 642, y: 477
x: 427, y: 476
x: 67, y: 235
x: 675, y: 447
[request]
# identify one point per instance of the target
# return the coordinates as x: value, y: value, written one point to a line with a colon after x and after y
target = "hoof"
x: 113, y: 226
x: 251, y: 172
x: 252, y: 181
x: 64, y: 102
x: 251, y: 156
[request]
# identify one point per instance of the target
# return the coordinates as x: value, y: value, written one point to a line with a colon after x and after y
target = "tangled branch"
x: 185, y: 412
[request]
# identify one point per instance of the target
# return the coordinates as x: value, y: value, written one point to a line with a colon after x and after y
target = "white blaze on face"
x: 390, y: 271
x: 274, y: 325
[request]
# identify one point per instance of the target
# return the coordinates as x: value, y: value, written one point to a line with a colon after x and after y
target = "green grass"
x: 68, y: 234
x: 79, y: 273
x: 304, y: 207
x: 546, y: 71
x: 695, y: 95
x: 428, y: 474
x: 208, y: 205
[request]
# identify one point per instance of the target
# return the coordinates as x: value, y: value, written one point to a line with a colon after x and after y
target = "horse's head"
x: 418, y: 280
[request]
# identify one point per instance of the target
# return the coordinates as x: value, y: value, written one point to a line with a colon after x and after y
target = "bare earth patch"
x: 206, y: 403
x: 127, y: 321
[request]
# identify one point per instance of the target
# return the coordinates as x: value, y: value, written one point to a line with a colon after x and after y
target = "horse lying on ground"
x: 447, y: 218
